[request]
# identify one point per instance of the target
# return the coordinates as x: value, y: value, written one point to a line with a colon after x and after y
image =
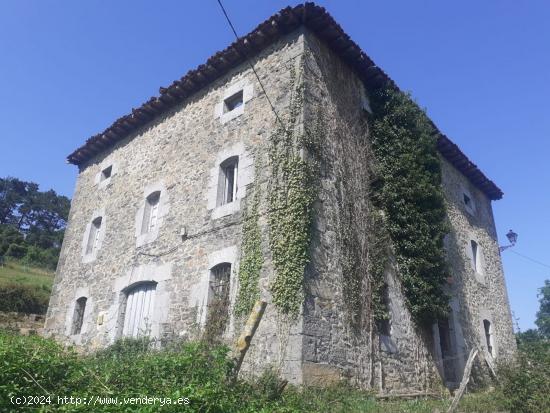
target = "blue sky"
x: 481, y: 69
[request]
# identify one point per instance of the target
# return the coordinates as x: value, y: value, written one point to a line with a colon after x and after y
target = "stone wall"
x: 332, y: 347
x: 178, y: 154
x: 477, y: 295
x: 22, y: 323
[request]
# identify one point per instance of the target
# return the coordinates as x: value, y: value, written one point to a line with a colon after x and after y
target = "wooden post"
x: 243, y: 343
x: 464, y: 382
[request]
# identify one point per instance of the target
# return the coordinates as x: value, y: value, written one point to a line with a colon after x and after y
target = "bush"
x: 527, y: 383
x: 31, y: 365
x: 16, y: 250
x: 129, y: 368
x: 23, y: 299
x: 45, y: 258
x: 193, y: 370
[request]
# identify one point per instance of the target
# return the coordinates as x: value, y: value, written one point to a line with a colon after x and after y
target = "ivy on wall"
x: 379, y: 253
x: 251, y: 256
x: 290, y: 204
x: 408, y: 190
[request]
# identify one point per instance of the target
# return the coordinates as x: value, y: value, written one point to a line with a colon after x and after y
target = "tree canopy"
x: 32, y: 222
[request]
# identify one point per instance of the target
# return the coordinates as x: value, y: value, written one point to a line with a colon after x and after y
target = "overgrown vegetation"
x: 24, y: 289
x: 408, y: 190
x: 130, y: 368
x: 528, y: 380
x: 527, y: 383
x: 251, y: 256
x: 290, y: 204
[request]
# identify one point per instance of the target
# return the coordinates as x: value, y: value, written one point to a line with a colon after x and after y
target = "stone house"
x: 155, y: 228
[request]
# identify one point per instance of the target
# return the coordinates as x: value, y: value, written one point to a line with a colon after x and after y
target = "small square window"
x: 233, y: 102
x: 106, y: 173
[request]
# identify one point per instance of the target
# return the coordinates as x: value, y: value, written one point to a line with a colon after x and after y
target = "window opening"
x: 78, y: 316
x: 233, y: 102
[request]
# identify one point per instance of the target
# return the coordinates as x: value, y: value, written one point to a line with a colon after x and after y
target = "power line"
x: 251, y: 65
x: 530, y: 259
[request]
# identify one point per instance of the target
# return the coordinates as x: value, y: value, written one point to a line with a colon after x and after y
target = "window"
x: 150, y: 214
x: 476, y: 257
x: 106, y: 173
x: 384, y: 326
x: 447, y: 348
x: 468, y: 201
x: 227, y: 189
x: 365, y: 104
x: 218, y: 301
x: 488, y: 336
x: 138, y: 312
x: 78, y: 316
x: 473, y: 245
x: 93, y: 238
x: 233, y: 102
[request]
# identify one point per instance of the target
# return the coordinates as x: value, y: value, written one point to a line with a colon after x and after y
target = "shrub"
x: 527, y: 383
x: 33, y: 366
x: 23, y: 299
x: 16, y: 250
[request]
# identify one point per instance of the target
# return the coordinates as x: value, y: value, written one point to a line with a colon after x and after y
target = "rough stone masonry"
x: 155, y: 228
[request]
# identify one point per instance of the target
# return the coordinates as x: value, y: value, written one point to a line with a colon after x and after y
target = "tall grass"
x: 192, y: 370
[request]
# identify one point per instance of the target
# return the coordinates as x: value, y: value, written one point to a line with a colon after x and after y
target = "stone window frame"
x: 242, y: 86
x: 99, y: 179
x: 477, y: 267
x: 486, y: 315
x: 470, y: 207
x: 365, y: 102
x: 245, y: 176
x: 81, y: 292
x: 226, y: 255
x: 143, y: 238
x: 161, y: 274
x: 91, y: 256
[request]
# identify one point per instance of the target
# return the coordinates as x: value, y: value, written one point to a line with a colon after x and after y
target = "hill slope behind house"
x: 24, y: 289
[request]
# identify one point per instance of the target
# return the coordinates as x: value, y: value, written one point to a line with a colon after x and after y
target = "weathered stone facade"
x: 180, y: 156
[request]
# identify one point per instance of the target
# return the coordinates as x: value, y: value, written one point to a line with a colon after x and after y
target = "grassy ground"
x: 13, y: 272
x: 351, y: 401
x: 24, y: 289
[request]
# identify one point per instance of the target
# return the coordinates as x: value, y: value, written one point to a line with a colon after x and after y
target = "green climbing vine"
x: 379, y: 253
x: 290, y: 204
x: 251, y: 255
x: 408, y: 190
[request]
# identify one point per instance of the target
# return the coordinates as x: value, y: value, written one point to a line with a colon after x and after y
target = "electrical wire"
x: 530, y: 259
x: 251, y: 66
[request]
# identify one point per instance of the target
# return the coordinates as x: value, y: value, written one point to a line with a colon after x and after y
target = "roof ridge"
x: 310, y: 15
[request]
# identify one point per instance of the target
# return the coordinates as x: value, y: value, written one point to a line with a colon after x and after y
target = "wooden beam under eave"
x: 112, y: 134
x: 168, y: 99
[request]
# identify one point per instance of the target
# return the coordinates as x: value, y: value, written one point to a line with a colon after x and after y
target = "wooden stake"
x: 464, y: 382
x: 243, y: 343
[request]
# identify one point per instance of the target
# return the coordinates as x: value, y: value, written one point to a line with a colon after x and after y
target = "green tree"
x: 543, y: 315
x: 31, y: 218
